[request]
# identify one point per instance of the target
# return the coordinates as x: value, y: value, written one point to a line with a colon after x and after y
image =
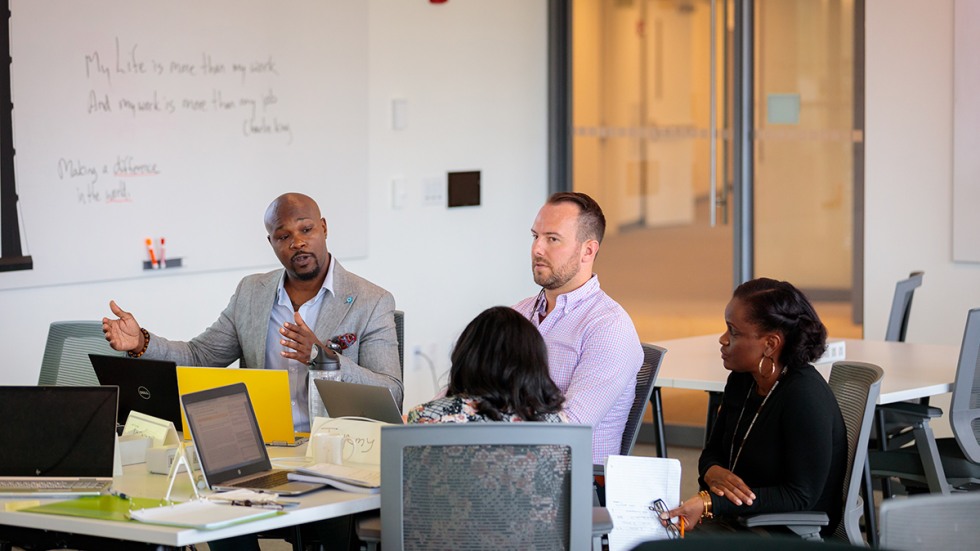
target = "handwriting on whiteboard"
x: 134, y: 82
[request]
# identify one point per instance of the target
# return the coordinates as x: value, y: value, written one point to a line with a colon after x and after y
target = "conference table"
x: 912, y: 371
x: 136, y: 482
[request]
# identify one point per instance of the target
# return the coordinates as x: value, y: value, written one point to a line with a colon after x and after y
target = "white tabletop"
x: 912, y: 370
x: 136, y: 482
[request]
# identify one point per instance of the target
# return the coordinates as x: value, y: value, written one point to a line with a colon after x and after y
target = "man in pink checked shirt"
x: 594, y: 352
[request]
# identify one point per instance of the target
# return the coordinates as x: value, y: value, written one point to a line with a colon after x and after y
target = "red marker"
x: 163, y: 253
x: 153, y: 257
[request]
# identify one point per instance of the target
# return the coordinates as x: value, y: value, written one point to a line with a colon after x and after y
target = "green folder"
x: 203, y: 515
x: 105, y: 507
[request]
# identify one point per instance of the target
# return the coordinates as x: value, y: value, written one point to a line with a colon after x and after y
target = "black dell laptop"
x: 146, y: 386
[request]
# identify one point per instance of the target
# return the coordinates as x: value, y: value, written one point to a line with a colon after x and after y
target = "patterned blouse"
x: 463, y: 409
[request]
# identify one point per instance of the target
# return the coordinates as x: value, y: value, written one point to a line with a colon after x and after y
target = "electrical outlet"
x: 835, y: 352
x: 433, y: 192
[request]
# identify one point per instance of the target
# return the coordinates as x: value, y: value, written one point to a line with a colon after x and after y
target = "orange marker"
x: 682, y: 527
x: 153, y: 257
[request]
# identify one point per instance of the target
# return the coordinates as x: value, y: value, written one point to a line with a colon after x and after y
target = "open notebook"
x: 632, y: 485
x: 57, y: 441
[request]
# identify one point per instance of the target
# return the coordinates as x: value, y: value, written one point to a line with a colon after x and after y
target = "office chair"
x: 898, y: 319
x: 66, y: 360
x: 948, y: 463
x: 856, y: 386
x: 653, y: 356
x: 896, y: 433
x: 486, y: 486
x: 890, y: 431
x: 930, y: 522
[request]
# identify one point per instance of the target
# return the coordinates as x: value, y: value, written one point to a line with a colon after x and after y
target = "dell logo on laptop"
x: 144, y: 392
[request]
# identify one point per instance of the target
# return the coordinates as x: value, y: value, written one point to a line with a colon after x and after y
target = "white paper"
x: 199, y: 514
x: 163, y: 433
x: 632, y: 485
x: 362, y: 437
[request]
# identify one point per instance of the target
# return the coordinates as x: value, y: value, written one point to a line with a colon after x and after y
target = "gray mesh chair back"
x: 653, y: 356
x: 856, y: 386
x: 931, y: 522
x: 943, y: 464
x: 400, y: 333
x: 66, y: 360
x: 895, y: 432
x: 964, y: 416
x: 486, y: 486
x: 898, y: 319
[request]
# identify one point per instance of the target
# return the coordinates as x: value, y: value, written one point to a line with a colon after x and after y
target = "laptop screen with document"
x: 229, y: 443
x: 226, y: 432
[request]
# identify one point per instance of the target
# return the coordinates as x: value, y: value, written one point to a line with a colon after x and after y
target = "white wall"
x: 908, y: 170
x: 474, y: 75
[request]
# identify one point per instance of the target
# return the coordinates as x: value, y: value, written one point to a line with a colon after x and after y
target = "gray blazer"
x: 240, y: 332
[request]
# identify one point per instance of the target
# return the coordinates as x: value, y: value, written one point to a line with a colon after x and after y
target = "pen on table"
x: 258, y: 504
x: 163, y: 253
x: 153, y: 256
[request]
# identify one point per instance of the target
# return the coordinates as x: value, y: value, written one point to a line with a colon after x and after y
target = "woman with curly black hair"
x: 499, y: 373
x: 779, y: 443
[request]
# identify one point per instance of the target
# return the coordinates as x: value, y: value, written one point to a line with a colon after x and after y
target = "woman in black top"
x: 779, y: 443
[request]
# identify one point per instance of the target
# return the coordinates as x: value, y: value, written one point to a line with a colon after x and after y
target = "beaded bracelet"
x: 706, y: 499
x: 146, y: 343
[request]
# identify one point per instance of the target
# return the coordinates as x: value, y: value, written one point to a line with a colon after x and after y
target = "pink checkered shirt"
x: 594, y: 354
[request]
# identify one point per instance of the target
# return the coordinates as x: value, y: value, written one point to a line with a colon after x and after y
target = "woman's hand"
x: 725, y: 483
x: 690, y: 511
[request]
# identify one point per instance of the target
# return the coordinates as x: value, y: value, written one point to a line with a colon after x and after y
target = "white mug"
x: 328, y: 447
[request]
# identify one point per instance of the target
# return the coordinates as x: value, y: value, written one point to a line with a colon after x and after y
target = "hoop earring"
x: 772, y: 363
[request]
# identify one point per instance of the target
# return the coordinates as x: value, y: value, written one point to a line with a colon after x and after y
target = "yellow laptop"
x: 269, y: 389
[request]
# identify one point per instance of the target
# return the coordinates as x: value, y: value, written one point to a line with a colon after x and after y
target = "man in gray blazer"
x: 267, y: 322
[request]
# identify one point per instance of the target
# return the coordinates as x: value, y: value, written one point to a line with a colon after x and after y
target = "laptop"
x: 268, y: 388
x: 57, y: 441
x: 229, y: 443
x: 355, y: 400
x: 146, y: 386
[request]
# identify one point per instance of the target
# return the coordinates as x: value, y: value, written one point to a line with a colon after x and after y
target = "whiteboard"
x: 182, y: 120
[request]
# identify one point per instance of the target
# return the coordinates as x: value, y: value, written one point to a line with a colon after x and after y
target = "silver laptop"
x: 230, y: 445
x: 355, y: 400
x: 57, y: 441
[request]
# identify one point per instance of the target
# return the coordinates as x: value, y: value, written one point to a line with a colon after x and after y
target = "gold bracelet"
x: 706, y: 499
x: 146, y: 343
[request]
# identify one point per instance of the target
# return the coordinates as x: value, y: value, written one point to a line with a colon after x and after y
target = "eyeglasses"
x: 661, y: 509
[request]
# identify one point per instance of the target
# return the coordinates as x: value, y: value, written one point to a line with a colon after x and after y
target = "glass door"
x: 641, y: 142
x: 651, y: 116
x: 808, y: 142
